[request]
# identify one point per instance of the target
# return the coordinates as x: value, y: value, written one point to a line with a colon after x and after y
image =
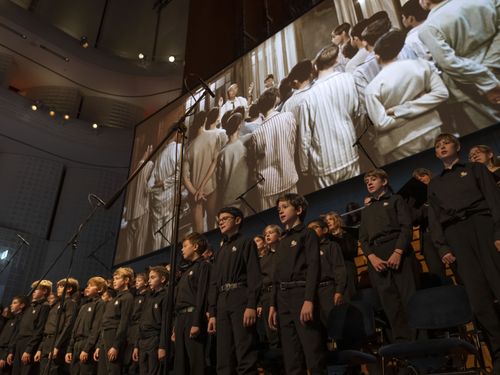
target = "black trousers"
x: 432, y: 258
x: 58, y: 366
x: 325, y: 298
x: 352, y: 279
x: 395, y: 288
x: 130, y: 367
x: 80, y: 368
x: 272, y: 336
x: 303, y: 345
x: 236, y: 344
x: 478, y: 265
x: 105, y: 367
x: 18, y: 367
x: 148, y: 356
x: 189, y: 352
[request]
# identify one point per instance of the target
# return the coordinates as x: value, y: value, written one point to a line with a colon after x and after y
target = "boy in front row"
x: 385, y: 234
x: 234, y: 289
x: 296, y: 280
x: 86, y: 329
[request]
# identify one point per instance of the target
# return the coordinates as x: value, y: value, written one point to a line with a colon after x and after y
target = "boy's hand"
x: 84, y: 357
x: 249, y: 317
x: 38, y: 356
x: 259, y: 311
x: 162, y: 353
x: 194, y: 332
x: 2, y: 363
x: 272, y: 321
x: 497, y: 245
x: 26, y: 358
x: 377, y: 263
x: 212, y: 326
x: 68, y: 358
x: 338, y: 299
x: 96, y: 354
x: 306, y: 313
x: 10, y: 359
x: 448, y: 258
x: 135, y: 355
x: 112, y: 354
x: 395, y: 259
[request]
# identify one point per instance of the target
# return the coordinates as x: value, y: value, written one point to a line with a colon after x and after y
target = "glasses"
x: 224, y: 219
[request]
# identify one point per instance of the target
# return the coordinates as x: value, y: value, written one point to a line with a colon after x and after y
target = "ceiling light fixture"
x: 52, y: 113
x: 141, y: 56
x: 34, y: 107
x: 171, y: 59
x: 66, y: 117
x: 95, y: 126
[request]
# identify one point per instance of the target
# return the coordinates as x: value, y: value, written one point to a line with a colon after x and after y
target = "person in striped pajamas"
x: 326, y: 124
x: 301, y: 79
x: 273, y: 145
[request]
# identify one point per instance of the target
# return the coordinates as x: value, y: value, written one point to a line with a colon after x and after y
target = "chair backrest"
x: 370, y: 297
x: 350, y: 324
x: 439, y: 308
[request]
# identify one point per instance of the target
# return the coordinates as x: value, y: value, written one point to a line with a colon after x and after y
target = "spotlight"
x: 52, y: 113
x: 84, y: 42
x: 141, y: 56
x: 95, y: 126
x: 66, y: 117
x: 171, y: 59
x: 34, y: 107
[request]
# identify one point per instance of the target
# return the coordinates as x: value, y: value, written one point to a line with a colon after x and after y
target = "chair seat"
x: 349, y: 357
x: 424, y: 348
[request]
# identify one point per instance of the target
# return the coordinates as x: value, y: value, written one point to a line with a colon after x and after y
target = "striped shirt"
x: 274, y: 143
x: 229, y: 105
x: 326, y: 125
x: 293, y: 102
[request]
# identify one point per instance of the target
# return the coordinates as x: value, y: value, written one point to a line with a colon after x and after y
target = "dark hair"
x: 236, y: 212
x: 198, y: 121
x: 448, y: 137
x: 267, y: 100
x: 297, y: 201
x: 327, y: 57
x: 419, y: 172
x: 301, y: 72
x: 321, y: 223
x: 389, y: 45
x: 141, y: 275
x: 357, y: 29
x: 22, y: 299
x: 233, y: 123
x: 343, y: 28
x: 253, y: 111
x: 160, y: 270
x: 349, y: 50
x: 197, y: 239
x: 225, y: 117
x: 269, y: 76
x: 212, y: 116
x: 413, y: 8
x: 375, y: 30
x: 285, y: 90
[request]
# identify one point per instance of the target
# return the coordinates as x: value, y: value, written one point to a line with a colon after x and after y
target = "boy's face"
x: 155, y: 280
x: 91, y: 291
x: 188, y: 249
x: 272, y: 236
x: 261, y: 244
x: 119, y: 282
x: 140, y: 282
x: 228, y: 224
x: 478, y: 156
x: 446, y: 149
x: 106, y: 297
x: 331, y: 222
x: 16, y: 306
x: 320, y: 232
x: 375, y: 184
x: 288, y: 214
x: 52, y: 299
x: 60, y: 290
x: 424, y: 178
x: 38, y: 293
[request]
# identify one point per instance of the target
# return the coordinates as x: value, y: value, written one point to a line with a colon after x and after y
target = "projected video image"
x: 289, y: 116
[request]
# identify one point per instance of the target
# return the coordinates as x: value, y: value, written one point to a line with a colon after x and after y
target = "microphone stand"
x: 360, y: 145
x: 19, y: 247
x: 242, y: 198
x: 160, y: 230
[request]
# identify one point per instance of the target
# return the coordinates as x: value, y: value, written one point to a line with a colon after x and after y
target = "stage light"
x: 84, y: 42
x: 171, y: 59
x: 34, y: 107
x: 66, y: 117
x: 95, y: 126
x: 141, y: 56
x: 52, y: 113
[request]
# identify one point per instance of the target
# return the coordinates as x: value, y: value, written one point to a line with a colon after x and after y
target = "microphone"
x: 22, y: 239
x: 99, y: 200
x: 261, y: 178
x: 203, y: 84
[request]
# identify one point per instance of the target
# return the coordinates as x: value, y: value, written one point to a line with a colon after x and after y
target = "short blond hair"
x: 45, y: 284
x: 275, y: 228
x: 125, y: 273
x: 99, y: 282
x: 380, y: 173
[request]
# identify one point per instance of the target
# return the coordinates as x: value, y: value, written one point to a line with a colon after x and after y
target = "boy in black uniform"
x: 333, y: 278
x: 114, y: 325
x: 86, y: 329
x: 385, y: 235
x: 296, y: 279
x: 150, y: 348
x: 30, y: 330
x: 464, y: 218
x: 139, y: 292
x: 235, y: 284
x: 54, y: 344
x: 190, y: 307
x: 17, y: 307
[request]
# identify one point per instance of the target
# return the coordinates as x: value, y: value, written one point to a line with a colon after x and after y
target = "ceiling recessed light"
x: 141, y: 56
x: 52, y: 113
x: 171, y: 59
x: 95, y: 126
x: 66, y: 117
x: 34, y: 107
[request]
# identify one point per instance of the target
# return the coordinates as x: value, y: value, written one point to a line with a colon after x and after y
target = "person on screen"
x: 484, y: 154
x: 340, y: 37
x: 326, y: 124
x: 162, y: 194
x: 233, y: 100
x: 137, y: 208
x: 357, y: 42
x: 252, y: 122
x: 232, y: 168
x: 273, y: 146
x: 199, y: 167
x: 300, y: 78
x: 269, y: 81
x: 413, y: 16
x: 463, y: 38
x: 212, y: 121
x: 401, y: 101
